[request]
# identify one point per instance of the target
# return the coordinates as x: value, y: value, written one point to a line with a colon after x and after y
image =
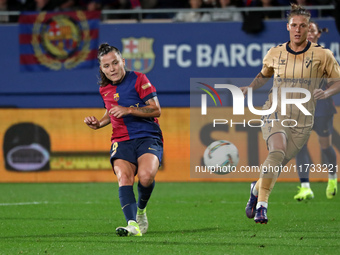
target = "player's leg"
x: 150, y: 151
x: 329, y: 155
x: 125, y: 172
x: 269, y: 173
x: 324, y: 131
x: 276, y: 146
x: 302, y: 164
x: 124, y: 161
x: 147, y: 168
x: 251, y: 204
x: 271, y: 128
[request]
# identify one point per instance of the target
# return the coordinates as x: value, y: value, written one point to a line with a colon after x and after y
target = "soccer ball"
x: 222, y: 155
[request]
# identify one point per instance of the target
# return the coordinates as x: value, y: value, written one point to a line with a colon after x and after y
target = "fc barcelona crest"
x: 61, y: 41
x: 116, y: 96
x: 138, y: 54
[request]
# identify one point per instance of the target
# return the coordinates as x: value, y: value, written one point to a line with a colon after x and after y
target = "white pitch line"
x: 43, y: 202
x: 23, y: 203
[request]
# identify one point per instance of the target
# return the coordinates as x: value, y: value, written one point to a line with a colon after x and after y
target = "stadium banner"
x: 53, y: 41
x: 54, y: 145
x: 169, y: 53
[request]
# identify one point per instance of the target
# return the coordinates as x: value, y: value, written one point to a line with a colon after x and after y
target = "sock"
x: 269, y: 174
x: 255, y: 191
x: 305, y: 185
x: 303, y: 158
x: 332, y: 176
x: 128, y: 202
x: 330, y: 157
x: 144, y: 194
x: 259, y: 204
x: 257, y: 187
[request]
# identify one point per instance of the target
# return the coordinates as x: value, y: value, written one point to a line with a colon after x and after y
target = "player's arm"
x: 333, y: 89
x: 332, y: 69
x: 257, y: 83
x: 152, y: 109
x: 94, y: 123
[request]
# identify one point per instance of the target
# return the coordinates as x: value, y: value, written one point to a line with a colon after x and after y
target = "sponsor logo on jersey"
x: 138, y: 54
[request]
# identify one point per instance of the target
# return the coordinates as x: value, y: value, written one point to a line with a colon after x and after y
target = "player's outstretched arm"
x: 333, y: 89
x: 152, y: 109
x: 257, y: 83
x: 94, y: 123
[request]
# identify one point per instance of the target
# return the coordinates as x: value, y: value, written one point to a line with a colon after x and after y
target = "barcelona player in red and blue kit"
x: 132, y: 109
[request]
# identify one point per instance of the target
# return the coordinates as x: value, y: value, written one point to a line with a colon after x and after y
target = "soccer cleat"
x: 251, y: 205
x: 332, y: 188
x: 132, y: 229
x: 261, y: 215
x: 303, y: 194
x: 142, y: 220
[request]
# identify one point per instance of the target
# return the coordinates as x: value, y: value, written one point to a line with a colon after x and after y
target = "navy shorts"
x: 131, y: 150
x: 323, y: 125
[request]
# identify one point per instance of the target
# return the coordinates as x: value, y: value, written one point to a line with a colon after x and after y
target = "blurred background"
x: 49, y: 75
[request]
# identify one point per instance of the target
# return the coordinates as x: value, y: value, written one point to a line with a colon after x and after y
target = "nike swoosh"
x: 152, y: 149
x: 106, y: 94
x: 125, y: 206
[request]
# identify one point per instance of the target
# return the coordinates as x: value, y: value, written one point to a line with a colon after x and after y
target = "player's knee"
x: 125, y: 178
x: 146, y: 178
x: 325, y: 142
x: 275, y: 157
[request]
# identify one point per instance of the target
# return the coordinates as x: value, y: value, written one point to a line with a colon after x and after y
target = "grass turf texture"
x: 184, y: 218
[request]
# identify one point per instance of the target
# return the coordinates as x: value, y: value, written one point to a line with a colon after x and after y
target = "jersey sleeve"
x: 144, y: 88
x: 267, y: 68
x: 101, y: 96
x: 332, y: 68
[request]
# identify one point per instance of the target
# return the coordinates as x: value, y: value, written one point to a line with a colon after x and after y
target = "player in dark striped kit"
x: 132, y: 108
x: 294, y: 64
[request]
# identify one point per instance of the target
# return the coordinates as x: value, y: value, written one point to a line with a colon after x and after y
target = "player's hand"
x: 320, y: 94
x: 244, y: 90
x: 119, y: 111
x: 92, y: 122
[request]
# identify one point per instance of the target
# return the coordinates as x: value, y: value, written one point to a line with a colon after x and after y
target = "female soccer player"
x: 323, y: 126
x: 132, y: 109
x: 294, y: 64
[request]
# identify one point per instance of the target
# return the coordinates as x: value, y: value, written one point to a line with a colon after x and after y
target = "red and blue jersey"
x: 133, y: 91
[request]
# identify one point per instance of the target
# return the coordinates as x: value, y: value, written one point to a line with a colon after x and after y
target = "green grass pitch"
x: 184, y: 218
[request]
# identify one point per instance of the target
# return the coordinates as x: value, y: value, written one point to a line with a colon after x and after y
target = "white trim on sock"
x: 305, y: 185
x: 259, y: 204
x: 255, y: 192
x: 332, y: 176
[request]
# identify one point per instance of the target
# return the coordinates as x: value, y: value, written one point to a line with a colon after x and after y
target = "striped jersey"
x: 133, y: 91
x: 306, y: 69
